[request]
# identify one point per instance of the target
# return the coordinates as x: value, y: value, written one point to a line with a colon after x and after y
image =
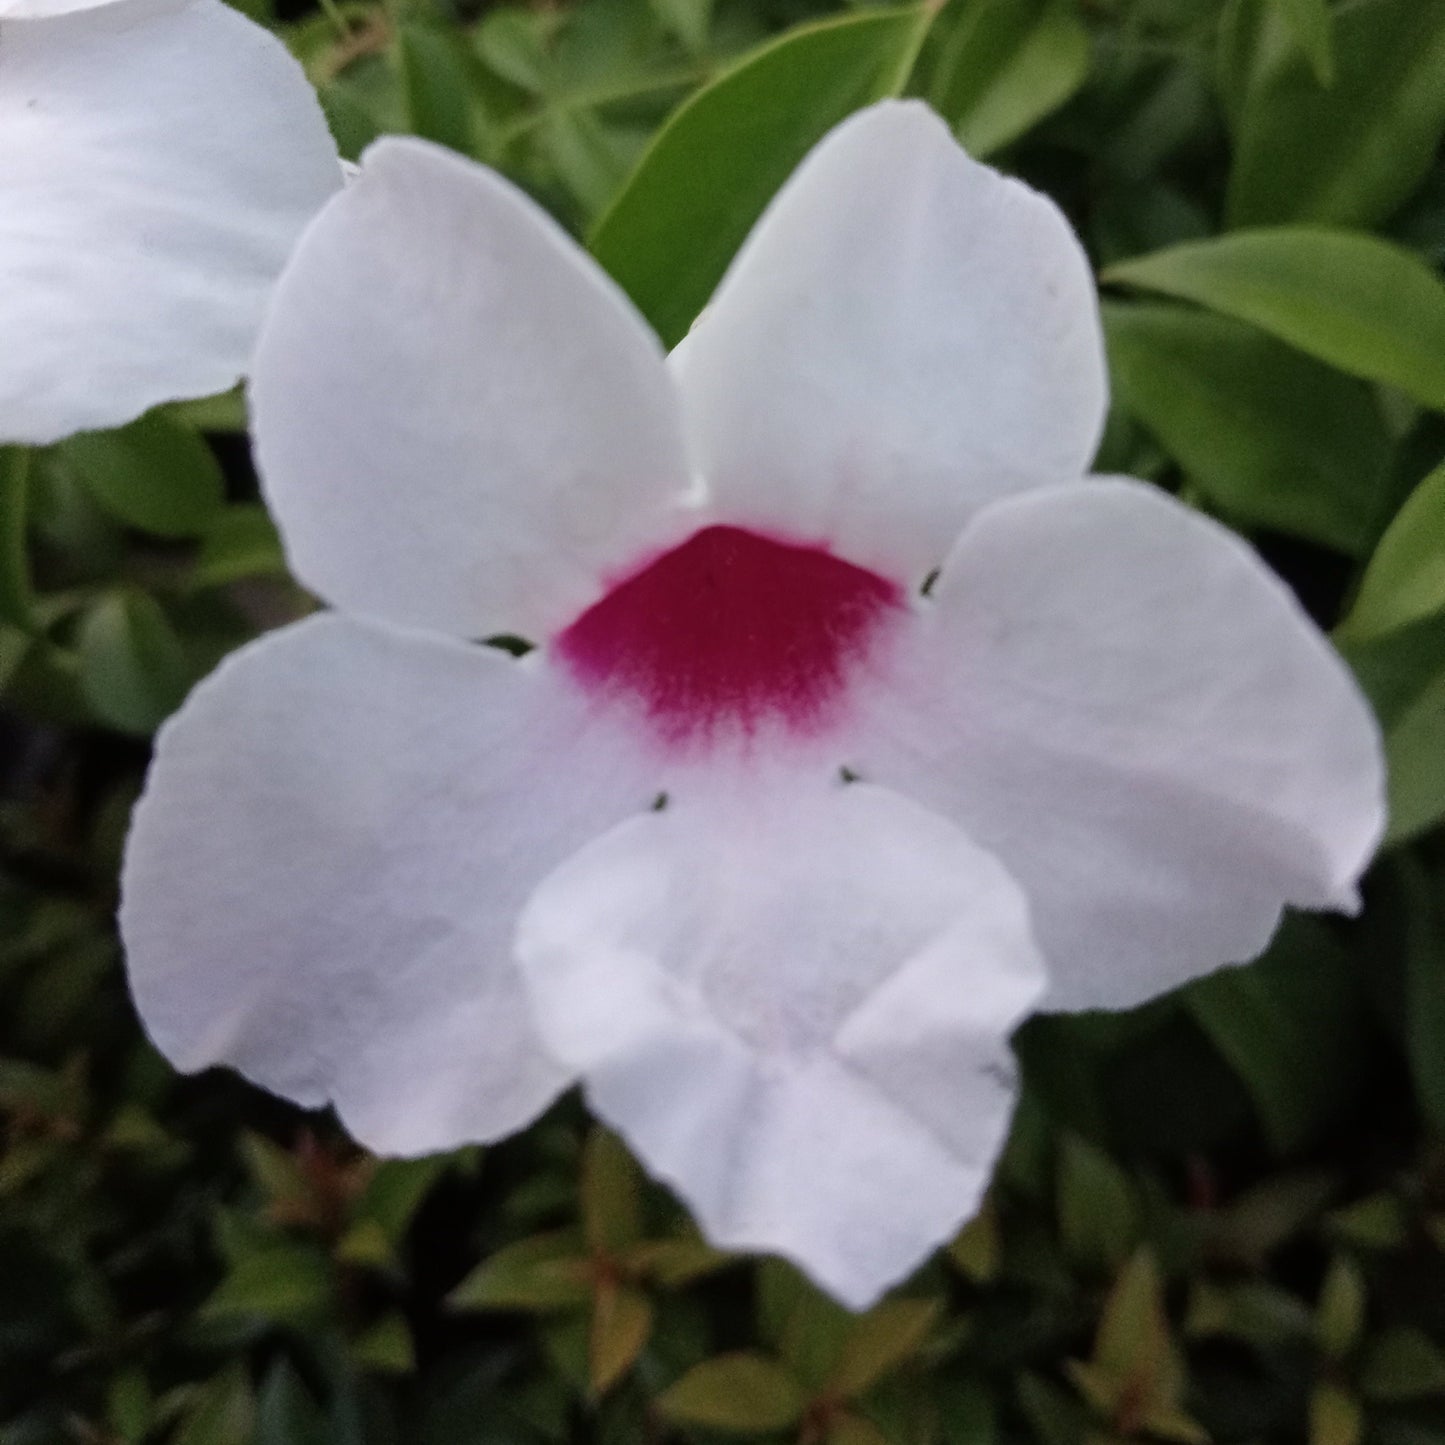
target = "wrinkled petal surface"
x: 906, y: 335
x: 323, y: 876
x: 158, y: 159
x: 1118, y: 699
x: 461, y: 423
x: 797, y: 1010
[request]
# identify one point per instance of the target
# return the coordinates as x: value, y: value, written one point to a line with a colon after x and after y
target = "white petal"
x: 323, y: 875
x: 904, y: 337
x: 1115, y: 696
x: 797, y: 1010
x: 158, y: 159
x: 462, y: 424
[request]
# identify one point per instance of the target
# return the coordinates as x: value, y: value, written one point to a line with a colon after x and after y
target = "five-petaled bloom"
x: 858, y: 722
x: 158, y: 160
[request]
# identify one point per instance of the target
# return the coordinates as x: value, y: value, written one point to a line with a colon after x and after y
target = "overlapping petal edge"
x: 158, y: 160
x: 379, y: 864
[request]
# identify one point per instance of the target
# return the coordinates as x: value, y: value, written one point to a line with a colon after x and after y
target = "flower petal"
x: 322, y: 878
x: 797, y: 1009
x: 158, y: 159
x: 1116, y: 697
x: 461, y: 423
x: 906, y: 335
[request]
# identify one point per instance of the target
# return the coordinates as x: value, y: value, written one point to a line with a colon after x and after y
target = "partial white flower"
x: 767, y: 846
x: 158, y: 160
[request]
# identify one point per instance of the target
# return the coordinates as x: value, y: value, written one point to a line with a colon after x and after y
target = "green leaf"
x: 1351, y: 154
x: 742, y: 1393
x: 129, y: 1406
x: 386, y: 1347
x: 1008, y: 64
x: 156, y: 474
x: 1276, y: 1019
x: 1247, y: 1230
x: 15, y: 597
x: 1405, y: 580
x: 1354, y: 301
x: 1423, y: 924
x: 977, y: 1249
x: 396, y: 1190
x: 285, y: 1412
x: 283, y: 1281
x: 1403, y: 675
x: 689, y: 20
x: 546, y: 1272
x: 611, y: 1194
x: 1098, y: 1215
x: 1135, y: 1360
x: 671, y: 232
x: 241, y: 542
x: 223, y: 1413
x: 134, y: 671
x: 621, y: 1325
x: 1340, y: 1314
x: 436, y: 69
x: 1335, y: 1416
x: 1273, y: 437
x: 806, y: 1327
x: 879, y: 1342
x: 1402, y: 1364
x: 1312, y: 22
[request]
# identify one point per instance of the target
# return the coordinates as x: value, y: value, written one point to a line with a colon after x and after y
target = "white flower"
x: 1096, y: 758
x: 158, y: 159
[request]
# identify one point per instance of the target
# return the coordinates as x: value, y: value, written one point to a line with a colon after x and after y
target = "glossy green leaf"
x: 1355, y: 301
x: 741, y: 1393
x: 1006, y: 65
x: 134, y: 672
x: 1349, y: 154
x: 670, y: 234
x: 1273, y: 437
x: 1405, y: 580
x: 156, y: 474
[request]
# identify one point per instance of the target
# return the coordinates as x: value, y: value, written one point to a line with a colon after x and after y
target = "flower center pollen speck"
x: 730, y: 631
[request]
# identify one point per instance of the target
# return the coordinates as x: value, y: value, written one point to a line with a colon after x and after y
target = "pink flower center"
x: 729, y: 632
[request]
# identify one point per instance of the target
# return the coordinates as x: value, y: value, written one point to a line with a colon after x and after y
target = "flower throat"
x: 729, y: 632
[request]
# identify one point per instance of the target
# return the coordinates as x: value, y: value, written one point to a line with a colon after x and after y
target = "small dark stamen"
x: 505, y: 642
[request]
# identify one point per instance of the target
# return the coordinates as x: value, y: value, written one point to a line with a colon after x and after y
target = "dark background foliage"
x: 1220, y: 1217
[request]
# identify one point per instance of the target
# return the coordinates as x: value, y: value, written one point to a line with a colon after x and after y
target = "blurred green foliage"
x: 1221, y: 1217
